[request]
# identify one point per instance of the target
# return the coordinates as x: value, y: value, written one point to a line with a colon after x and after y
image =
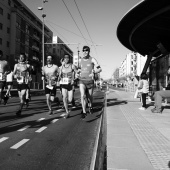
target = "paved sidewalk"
x: 136, y: 139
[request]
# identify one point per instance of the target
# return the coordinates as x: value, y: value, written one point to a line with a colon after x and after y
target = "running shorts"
x: 88, y: 83
x: 52, y: 92
x: 22, y: 87
x: 69, y: 86
x: 9, y: 83
x: 2, y: 84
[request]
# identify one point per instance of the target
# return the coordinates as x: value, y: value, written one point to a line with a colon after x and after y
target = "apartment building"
x: 21, y: 32
x: 132, y: 65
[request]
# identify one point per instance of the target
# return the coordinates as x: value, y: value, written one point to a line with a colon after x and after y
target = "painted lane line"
x: 55, y: 120
x: 19, y: 144
x: 24, y: 128
x: 41, y: 129
x: 3, y: 139
x: 40, y: 119
x: 62, y: 114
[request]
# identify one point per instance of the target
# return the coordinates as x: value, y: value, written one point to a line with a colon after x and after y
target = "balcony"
x: 35, y: 48
x: 36, y: 37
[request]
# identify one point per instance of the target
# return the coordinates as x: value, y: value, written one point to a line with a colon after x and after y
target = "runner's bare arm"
x: 15, y: 69
x: 97, y: 67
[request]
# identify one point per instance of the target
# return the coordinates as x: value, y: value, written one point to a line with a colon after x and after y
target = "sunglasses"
x: 85, y: 50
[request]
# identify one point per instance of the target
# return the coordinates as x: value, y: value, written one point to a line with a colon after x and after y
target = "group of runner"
x: 22, y: 72
x: 66, y: 75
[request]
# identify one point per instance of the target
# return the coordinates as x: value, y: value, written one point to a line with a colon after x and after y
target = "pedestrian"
x: 143, y: 88
x: 50, y: 75
x: 4, y: 71
x: 159, y: 95
x: 21, y: 73
x: 66, y: 77
x: 88, y: 66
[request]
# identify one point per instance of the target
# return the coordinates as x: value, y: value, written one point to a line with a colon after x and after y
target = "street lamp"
x: 43, y: 16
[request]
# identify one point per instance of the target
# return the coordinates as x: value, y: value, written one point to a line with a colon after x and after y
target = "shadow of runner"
x: 31, y: 124
x: 113, y: 102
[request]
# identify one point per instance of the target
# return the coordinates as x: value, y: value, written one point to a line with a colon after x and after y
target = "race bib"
x: 0, y: 76
x: 20, y: 79
x: 64, y: 80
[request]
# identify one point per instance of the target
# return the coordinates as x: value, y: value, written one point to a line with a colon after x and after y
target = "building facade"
x: 132, y: 65
x: 21, y: 32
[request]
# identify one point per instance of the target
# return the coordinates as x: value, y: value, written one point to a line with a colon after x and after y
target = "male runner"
x: 88, y: 66
x: 50, y: 74
x: 21, y: 73
x: 4, y: 70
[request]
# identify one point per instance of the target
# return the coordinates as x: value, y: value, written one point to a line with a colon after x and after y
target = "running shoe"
x: 66, y: 116
x: 90, y: 110
x: 27, y: 102
x: 18, y: 113
x: 50, y: 112
x: 5, y: 99
x: 83, y: 115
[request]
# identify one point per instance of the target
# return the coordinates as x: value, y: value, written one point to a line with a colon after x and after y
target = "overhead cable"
x: 74, y: 21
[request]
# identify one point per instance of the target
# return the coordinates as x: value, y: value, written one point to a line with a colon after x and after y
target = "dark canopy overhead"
x: 145, y: 26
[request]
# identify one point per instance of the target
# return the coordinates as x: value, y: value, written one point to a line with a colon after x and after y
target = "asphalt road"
x: 38, y: 141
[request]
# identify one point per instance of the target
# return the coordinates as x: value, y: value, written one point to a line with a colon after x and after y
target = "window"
x: 1, y: 26
x: 18, y: 24
x: 0, y: 41
x: 1, y: 11
x: 27, y: 29
x: 8, y: 30
x: 9, y: 16
x: 7, y: 43
x: 9, y: 2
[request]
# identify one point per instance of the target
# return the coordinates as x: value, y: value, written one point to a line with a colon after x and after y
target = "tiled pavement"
x: 136, y: 139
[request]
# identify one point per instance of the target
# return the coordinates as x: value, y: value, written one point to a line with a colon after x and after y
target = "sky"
x: 88, y: 22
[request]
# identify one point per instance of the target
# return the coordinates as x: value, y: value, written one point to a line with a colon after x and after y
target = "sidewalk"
x: 136, y: 139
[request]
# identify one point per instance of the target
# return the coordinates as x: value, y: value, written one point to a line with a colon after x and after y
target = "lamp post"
x: 43, y: 16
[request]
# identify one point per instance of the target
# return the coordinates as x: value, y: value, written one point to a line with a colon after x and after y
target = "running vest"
x: 66, y: 74
x: 50, y: 74
x: 22, y: 72
x: 3, y: 67
x: 86, y: 66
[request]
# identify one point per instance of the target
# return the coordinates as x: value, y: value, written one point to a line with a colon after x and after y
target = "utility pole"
x: 43, y: 16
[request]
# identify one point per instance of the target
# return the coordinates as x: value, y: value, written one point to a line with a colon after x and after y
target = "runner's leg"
x: 65, y: 98
x: 83, y: 97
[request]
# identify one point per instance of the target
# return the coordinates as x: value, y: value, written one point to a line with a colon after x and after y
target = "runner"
x: 21, y: 72
x: 88, y: 66
x: 50, y: 75
x: 9, y: 83
x: 28, y: 91
x: 67, y: 82
x: 4, y: 70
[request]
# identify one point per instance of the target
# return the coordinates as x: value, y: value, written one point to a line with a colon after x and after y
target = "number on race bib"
x: 64, y: 81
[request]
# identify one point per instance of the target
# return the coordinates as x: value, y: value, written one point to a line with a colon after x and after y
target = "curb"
x: 97, y: 160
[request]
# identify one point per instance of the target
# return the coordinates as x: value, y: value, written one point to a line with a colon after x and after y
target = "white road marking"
x: 41, y: 129
x: 55, y: 120
x: 16, y: 146
x: 62, y: 114
x: 40, y: 119
x: 24, y: 128
x: 3, y: 139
